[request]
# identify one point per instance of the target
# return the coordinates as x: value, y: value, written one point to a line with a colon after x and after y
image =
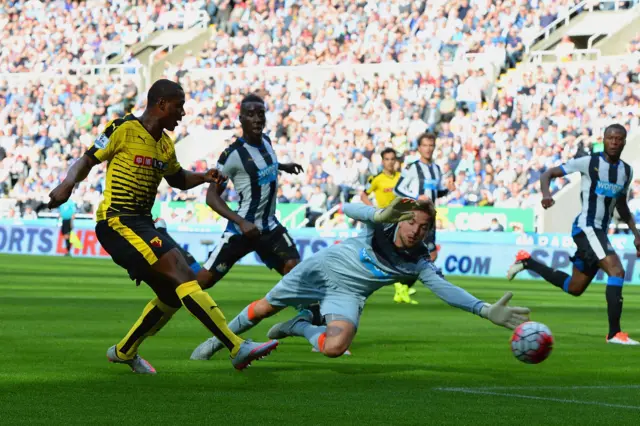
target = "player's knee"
x: 205, y: 279
x: 618, y: 272
x: 334, y: 350
x: 174, y: 266
x: 289, y: 265
x: 261, y: 309
x: 576, y: 288
x: 576, y: 291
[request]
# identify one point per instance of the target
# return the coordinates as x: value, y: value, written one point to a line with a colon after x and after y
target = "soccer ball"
x: 532, y: 342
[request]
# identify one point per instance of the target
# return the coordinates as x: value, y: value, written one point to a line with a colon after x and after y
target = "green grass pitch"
x: 59, y: 315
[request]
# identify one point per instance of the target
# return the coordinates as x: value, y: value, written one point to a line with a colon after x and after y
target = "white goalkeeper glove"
x: 501, y: 314
x: 400, y: 209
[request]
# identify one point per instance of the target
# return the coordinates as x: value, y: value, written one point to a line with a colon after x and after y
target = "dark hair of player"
x: 163, y: 89
x: 252, y: 98
x: 616, y: 126
x: 426, y: 137
x: 388, y: 151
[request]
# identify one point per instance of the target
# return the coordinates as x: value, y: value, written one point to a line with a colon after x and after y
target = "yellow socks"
x: 154, y: 316
x: 202, y: 306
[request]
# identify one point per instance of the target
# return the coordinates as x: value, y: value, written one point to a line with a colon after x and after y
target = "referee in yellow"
x: 381, y: 186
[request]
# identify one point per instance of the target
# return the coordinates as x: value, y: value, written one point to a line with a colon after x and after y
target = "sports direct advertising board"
x: 476, y: 254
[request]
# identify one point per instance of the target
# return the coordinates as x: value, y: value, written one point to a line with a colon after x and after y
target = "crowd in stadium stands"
x: 317, y: 31
x: 40, y: 35
x: 494, y: 150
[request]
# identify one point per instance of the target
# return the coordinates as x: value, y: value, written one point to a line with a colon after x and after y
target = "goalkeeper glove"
x: 501, y: 314
x: 400, y: 209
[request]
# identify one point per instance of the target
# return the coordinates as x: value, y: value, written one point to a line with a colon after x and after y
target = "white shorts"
x: 307, y: 283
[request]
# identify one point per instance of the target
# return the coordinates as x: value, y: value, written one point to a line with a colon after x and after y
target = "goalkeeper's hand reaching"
x: 400, y: 209
x: 501, y: 314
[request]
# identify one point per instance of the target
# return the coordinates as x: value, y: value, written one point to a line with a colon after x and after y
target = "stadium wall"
x: 462, y: 253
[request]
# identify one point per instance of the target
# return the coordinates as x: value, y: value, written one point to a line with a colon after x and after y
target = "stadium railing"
x: 323, y: 219
x: 86, y: 72
x: 184, y: 19
x: 565, y: 18
x: 320, y: 73
x: 541, y: 56
x: 290, y: 221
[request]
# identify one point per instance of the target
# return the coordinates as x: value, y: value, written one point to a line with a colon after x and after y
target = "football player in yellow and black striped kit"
x: 140, y: 154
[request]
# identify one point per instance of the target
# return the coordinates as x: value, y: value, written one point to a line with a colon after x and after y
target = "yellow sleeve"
x: 108, y: 143
x: 173, y: 166
x: 372, y: 185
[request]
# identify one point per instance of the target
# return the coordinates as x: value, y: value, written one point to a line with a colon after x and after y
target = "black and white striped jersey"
x: 602, y: 185
x: 421, y: 179
x: 254, y: 173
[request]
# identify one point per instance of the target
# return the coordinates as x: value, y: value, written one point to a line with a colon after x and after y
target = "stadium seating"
x: 333, y: 113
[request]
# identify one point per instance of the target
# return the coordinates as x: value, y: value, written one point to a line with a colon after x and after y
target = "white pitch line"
x: 494, y: 388
x: 540, y: 398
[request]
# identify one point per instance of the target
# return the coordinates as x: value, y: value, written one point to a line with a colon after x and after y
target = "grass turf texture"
x: 59, y: 315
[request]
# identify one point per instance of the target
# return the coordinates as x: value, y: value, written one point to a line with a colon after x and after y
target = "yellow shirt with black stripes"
x: 137, y: 164
x: 381, y: 185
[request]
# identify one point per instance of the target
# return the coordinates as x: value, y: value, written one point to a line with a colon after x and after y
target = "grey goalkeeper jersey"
x: 369, y: 261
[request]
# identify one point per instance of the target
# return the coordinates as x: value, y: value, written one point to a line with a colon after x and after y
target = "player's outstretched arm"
x: 400, y: 209
x: 77, y: 173
x: 499, y: 313
x: 185, y: 179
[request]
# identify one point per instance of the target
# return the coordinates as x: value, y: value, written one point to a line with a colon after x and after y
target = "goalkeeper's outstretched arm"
x: 499, y: 313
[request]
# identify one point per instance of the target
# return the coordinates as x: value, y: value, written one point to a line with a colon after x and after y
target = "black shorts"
x: 187, y: 256
x: 66, y: 226
x: 593, y: 246
x: 133, y: 242
x: 275, y: 248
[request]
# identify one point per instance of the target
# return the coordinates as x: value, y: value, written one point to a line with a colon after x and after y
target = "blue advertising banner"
x: 474, y: 254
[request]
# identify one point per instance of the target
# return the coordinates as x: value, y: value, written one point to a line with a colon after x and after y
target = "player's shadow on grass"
x: 350, y: 368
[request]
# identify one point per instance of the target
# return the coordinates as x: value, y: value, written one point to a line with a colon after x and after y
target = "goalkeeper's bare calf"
x: 343, y: 276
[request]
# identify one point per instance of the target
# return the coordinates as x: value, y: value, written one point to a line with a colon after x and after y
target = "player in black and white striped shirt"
x: 422, y: 180
x: 251, y: 164
x: 605, y: 185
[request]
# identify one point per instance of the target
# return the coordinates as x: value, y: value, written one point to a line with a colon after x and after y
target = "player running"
x: 342, y: 277
x: 605, y: 185
x: 421, y: 180
x: 251, y: 164
x: 140, y: 154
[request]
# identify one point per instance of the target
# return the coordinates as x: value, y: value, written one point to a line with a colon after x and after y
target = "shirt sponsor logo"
x: 142, y: 161
x: 431, y: 184
x: 268, y: 174
x: 608, y: 189
x: 369, y: 263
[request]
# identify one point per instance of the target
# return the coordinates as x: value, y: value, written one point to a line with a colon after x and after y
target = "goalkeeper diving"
x: 341, y: 278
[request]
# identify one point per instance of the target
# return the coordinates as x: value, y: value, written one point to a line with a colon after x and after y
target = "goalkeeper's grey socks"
x: 557, y: 278
x: 614, y: 304
x: 313, y: 333
x: 241, y: 322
